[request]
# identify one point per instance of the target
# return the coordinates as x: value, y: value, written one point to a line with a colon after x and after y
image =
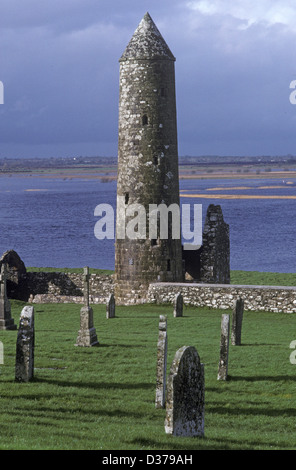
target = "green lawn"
x: 256, y: 278
x: 103, y: 397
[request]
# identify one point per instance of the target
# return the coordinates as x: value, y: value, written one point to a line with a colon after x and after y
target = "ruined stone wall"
x: 256, y: 298
x: 54, y: 287
x: 215, y: 254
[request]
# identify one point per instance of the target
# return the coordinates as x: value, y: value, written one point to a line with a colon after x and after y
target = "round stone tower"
x: 147, y: 167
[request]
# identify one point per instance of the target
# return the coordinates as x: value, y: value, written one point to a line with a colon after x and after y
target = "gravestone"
x: 185, y: 395
x: 110, y: 310
x: 87, y: 334
x: 178, y: 305
x: 237, y: 320
x: 6, y: 322
x: 24, y: 365
x: 1, y: 353
x: 224, y: 348
x: 162, y: 345
x: 16, y: 275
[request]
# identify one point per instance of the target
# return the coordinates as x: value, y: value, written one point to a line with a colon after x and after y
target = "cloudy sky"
x: 60, y: 70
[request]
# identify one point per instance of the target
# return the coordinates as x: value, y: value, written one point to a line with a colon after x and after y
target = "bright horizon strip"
x: 234, y: 196
x: 236, y: 188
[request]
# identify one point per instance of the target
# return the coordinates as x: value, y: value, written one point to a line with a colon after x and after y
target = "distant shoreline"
x: 105, y: 168
x: 112, y: 176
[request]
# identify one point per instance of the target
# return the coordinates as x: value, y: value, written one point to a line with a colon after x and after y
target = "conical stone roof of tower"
x: 147, y: 43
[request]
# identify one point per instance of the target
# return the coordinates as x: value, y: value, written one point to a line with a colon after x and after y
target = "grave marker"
x: 185, y: 395
x: 24, y: 365
x: 237, y: 320
x: 224, y: 348
x: 6, y: 322
x: 1, y: 353
x: 87, y: 336
x: 110, y: 310
x: 178, y: 305
x: 162, y: 345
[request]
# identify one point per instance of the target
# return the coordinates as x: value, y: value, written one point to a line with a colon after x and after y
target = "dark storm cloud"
x: 59, y: 66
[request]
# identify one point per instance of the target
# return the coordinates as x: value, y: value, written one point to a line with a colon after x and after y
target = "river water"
x: 50, y: 222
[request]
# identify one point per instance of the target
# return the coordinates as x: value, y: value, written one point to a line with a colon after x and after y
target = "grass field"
x: 256, y: 278
x: 103, y: 397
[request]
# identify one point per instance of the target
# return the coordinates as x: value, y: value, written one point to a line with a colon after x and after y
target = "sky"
x: 60, y: 72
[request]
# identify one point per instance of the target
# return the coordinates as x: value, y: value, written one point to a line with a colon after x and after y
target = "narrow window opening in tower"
x: 156, y: 161
x: 162, y: 92
x: 145, y: 120
x: 126, y: 198
x: 168, y: 265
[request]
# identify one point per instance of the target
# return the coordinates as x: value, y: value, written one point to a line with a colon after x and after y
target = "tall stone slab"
x: 178, y: 305
x: 185, y: 395
x: 87, y: 335
x: 215, y: 253
x: 24, y: 365
x: 1, y: 353
x: 110, y: 307
x: 6, y: 322
x: 237, y: 321
x: 224, y: 348
x: 148, y: 171
x: 162, y: 346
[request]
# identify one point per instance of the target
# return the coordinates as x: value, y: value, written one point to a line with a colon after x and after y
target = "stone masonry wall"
x: 222, y: 296
x: 215, y: 254
x: 147, y: 163
x: 55, y: 287
x: 47, y: 287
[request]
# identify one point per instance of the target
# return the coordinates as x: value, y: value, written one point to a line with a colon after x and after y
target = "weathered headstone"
x: 185, y: 395
x: 6, y: 322
x: 237, y: 320
x: 87, y: 334
x: 110, y: 310
x: 224, y: 348
x: 178, y: 305
x: 162, y: 345
x: 16, y: 275
x: 24, y: 365
x: 1, y: 353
